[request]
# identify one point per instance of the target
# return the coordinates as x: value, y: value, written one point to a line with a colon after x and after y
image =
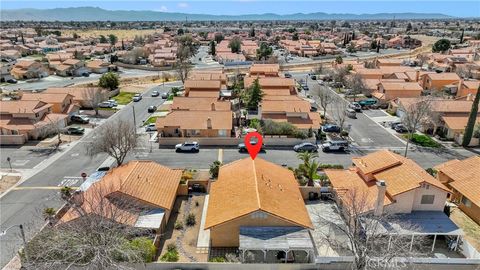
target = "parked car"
x: 86, y: 74
x: 351, y: 113
x: 155, y: 93
x: 106, y: 104
x: 331, y: 128
x: 335, y: 145
x: 367, y: 102
x: 151, y: 109
x: 82, y: 119
x: 400, y: 128
x: 11, y: 81
x: 137, y: 98
x: 356, y: 106
x: 75, y: 131
x: 164, y: 95
x: 288, y: 75
x: 114, y: 102
x: 313, y: 76
x: 305, y: 147
x: 394, y: 124
x: 187, y: 147
x: 242, y: 148
x: 151, y: 127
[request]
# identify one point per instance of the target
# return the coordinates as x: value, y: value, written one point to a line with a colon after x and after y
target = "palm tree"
x: 310, y: 172
x: 307, y: 157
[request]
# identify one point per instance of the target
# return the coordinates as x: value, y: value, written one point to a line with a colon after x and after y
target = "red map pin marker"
x: 254, y: 148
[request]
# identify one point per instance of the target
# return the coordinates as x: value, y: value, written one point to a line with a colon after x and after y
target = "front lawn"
x: 422, y: 140
x: 123, y: 98
x: 150, y: 120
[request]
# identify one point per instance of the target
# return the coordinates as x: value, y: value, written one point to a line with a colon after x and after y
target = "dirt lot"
x: 186, y: 239
x: 471, y: 229
x: 7, y: 180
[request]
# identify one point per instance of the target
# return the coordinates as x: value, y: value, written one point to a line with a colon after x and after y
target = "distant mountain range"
x: 98, y: 14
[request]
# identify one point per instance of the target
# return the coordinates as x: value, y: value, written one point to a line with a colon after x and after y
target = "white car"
x: 105, y: 104
x: 113, y: 102
x: 187, y: 147
x: 137, y: 98
x: 151, y: 127
x: 340, y: 145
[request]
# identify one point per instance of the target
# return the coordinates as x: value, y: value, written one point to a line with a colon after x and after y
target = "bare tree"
x: 464, y: 71
x: 357, y: 232
x: 340, y: 75
x: 51, y: 128
x: 93, y: 97
x: 325, y: 97
x: 95, y: 233
x: 137, y: 53
x: 116, y: 138
x: 415, y: 115
x: 340, y: 112
x: 183, y: 68
x: 355, y: 82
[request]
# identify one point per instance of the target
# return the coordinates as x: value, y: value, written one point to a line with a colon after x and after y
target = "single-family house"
x: 462, y: 177
x: 436, y: 81
x: 139, y: 194
x: 61, y: 102
x: 98, y: 66
x: 202, y: 88
x: 387, y: 91
x: 28, y: 69
x: 294, y: 111
x: 255, y: 206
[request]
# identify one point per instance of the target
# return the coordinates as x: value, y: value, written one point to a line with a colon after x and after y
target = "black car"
x: 400, y: 128
x: 288, y: 75
x: 305, y: 147
x: 242, y: 148
x: 82, y: 119
x: 75, y: 131
x: 86, y: 74
x: 152, y: 109
x: 393, y: 125
x: 331, y: 128
x: 11, y: 81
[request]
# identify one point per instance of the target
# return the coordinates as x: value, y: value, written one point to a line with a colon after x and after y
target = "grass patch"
x: 108, y: 109
x: 123, y: 98
x: 422, y: 140
x: 150, y: 120
x: 170, y: 97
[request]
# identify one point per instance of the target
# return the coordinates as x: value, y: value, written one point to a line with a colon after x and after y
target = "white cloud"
x: 163, y: 8
x: 183, y: 5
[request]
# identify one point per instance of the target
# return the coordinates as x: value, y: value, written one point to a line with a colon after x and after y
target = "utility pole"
x: 9, y: 160
x: 134, y: 120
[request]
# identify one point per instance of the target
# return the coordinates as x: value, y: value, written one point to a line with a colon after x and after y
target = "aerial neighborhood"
x: 131, y: 141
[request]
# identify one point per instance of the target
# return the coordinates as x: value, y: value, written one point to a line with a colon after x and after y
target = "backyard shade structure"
x: 419, y: 223
x: 151, y: 219
x: 286, y: 239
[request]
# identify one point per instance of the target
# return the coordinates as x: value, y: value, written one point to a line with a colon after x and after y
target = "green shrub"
x: 171, y: 247
x: 190, y: 220
x: 330, y: 166
x: 170, y: 256
x: 217, y: 259
x: 178, y: 225
x: 344, y: 133
x: 215, y: 168
x: 423, y: 140
x: 145, y: 246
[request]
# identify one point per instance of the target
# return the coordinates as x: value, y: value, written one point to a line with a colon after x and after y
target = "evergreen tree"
x: 467, y: 137
x: 255, y: 95
x: 461, y: 37
x: 252, y: 32
x: 212, y: 48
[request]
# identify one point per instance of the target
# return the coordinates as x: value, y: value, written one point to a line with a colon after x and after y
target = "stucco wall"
x: 438, y: 202
x: 226, y: 235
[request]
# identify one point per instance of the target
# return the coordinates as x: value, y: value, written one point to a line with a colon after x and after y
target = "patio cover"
x: 151, y: 219
x: 275, y: 238
x: 420, y: 223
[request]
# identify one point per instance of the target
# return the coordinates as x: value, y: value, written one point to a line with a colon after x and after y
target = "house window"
x: 466, y: 202
x: 427, y: 199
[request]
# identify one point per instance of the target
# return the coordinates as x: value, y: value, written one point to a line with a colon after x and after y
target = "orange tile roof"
x: 264, y: 68
x: 203, y: 94
x: 285, y: 106
x: 457, y: 122
x: 247, y: 185
x: 285, y: 96
x: 466, y: 177
x: 46, y: 97
x: 196, y: 120
x: 403, y: 86
x: 344, y: 181
x: 270, y: 82
x: 202, y: 84
x: 376, y: 161
x: 444, y: 76
x: 23, y: 106
x: 199, y: 104
x: 143, y: 181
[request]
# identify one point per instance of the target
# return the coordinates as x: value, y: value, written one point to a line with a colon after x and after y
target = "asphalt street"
x: 25, y: 203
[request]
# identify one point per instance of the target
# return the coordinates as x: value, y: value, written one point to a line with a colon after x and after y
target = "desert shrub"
x: 217, y: 259
x: 190, y: 220
x: 145, y: 246
x: 178, y: 225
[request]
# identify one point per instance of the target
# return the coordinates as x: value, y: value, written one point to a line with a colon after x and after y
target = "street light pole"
x: 134, y: 120
x: 9, y: 160
x: 22, y: 233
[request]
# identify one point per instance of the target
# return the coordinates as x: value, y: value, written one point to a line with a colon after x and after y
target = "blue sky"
x: 469, y: 8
